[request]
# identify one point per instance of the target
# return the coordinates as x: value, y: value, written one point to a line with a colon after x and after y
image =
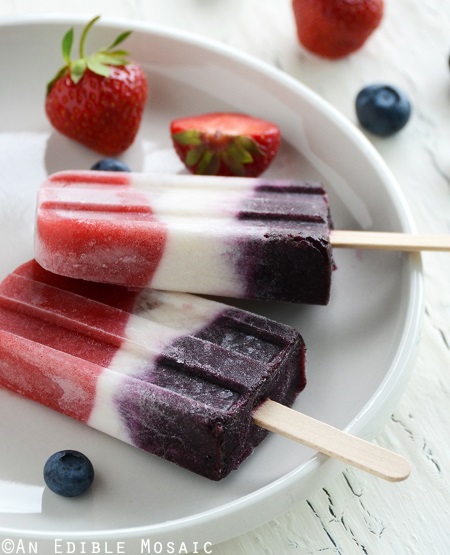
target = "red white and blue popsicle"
x: 170, y: 373
x: 238, y: 237
x: 191, y: 380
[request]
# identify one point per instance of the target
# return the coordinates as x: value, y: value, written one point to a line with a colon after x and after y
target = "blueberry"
x: 68, y: 473
x: 110, y: 165
x: 382, y: 109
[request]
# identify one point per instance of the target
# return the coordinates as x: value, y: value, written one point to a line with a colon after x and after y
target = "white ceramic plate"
x: 360, y: 347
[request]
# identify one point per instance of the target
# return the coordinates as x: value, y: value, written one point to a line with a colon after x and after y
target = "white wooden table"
x: 356, y: 513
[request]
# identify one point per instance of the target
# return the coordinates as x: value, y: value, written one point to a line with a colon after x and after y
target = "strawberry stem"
x: 84, y: 34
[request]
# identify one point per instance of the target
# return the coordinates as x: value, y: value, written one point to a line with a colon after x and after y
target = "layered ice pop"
x: 171, y: 373
x: 239, y: 237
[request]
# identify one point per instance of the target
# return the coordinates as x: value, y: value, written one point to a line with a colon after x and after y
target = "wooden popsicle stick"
x: 330, y: 441
x: 389, y: 240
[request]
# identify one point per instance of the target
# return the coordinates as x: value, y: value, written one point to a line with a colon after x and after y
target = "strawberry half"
x: 226, y: 144
x: 97, y: 100
x: 336, y: 28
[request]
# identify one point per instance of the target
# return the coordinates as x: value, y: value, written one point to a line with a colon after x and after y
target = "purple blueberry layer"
x: 291, y: 258
x: 201, y: 418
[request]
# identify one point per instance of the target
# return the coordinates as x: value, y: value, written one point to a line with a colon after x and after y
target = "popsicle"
x: 191, y: 380
x: 235, y: 237
x: 170, y: 373
x: 242, y: 237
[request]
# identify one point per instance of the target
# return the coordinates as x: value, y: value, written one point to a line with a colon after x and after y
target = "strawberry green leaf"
x: 77, y: 69
x: 190, y: 137
x: 96, y: 66
x: 239, y: 154
x: 193, y: 156
x: 105, y: 58
x: 208, y: 164
x: 249, y: 144
x: 113, y: 53
x: 67, y: 45
x: 236, y: 167
x: 119, y: 39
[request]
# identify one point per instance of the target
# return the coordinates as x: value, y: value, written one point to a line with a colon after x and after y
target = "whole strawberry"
x: 336, y: 28
x: 224, y: 143
x: 97, y: 100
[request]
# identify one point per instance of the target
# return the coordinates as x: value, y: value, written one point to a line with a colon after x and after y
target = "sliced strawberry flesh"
x: 225, y: 143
